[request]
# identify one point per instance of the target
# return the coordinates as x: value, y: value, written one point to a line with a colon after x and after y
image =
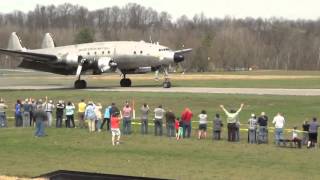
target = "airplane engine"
x: 70, y: 59
x: 106, y: 64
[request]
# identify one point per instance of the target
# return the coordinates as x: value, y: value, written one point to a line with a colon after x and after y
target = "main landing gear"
x: 125, y: 82
x: 80, y: 84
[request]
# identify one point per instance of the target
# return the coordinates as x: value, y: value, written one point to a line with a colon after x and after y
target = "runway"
x: 247, y: 91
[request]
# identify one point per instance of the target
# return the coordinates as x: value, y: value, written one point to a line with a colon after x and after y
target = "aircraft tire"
x: 125, y: 82
x: 167, y: 84
x: 80, y: 84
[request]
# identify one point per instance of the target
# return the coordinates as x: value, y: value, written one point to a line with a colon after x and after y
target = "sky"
x: 288, y: 9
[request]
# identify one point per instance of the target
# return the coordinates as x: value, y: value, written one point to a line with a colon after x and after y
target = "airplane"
x: 126, y: 57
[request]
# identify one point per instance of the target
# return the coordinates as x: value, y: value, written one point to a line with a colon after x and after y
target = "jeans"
x: 91, y: 126
x: 98, y: 124
x: 232, y: 131
x: 49, y: 115
x: 216, y: 134
x: 263, y: 134
x: 170, y: 129
x: 3, y: 120
x: 186, y: 129
x: 39, y: 129
x: 81, y: 119
x: 252, y: 136
x: 26, y: 119
x: 59, y: 120
x: 69, y: 121
x: 108, y: 123
x: 126, y: 125
x: 278, y: 135
x: 305, y: 138
x: 144, y: 126
x: 158, y: 127
x: 18, y: 118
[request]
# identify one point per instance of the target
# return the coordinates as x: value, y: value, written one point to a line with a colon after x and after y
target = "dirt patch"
x: 19, y: 178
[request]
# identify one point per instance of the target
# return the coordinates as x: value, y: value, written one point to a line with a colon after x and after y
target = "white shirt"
x: 203, y: 119
x: 279, y: 121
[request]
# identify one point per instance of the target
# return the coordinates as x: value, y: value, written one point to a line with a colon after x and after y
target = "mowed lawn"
x: 22, y: 154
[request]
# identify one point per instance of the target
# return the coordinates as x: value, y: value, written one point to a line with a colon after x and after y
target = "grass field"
x: 21, y: 154
x: 254, y: 79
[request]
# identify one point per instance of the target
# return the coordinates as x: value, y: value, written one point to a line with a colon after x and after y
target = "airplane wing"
x: 182, y: 51
x: 37, y: 57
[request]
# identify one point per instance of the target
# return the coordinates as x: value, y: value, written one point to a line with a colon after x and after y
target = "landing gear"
x: 80, y: 84
x: 167, y: 83
x: 125, y: 82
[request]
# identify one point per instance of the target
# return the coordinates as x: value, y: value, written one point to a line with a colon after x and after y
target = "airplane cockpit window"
x: 164, y: 49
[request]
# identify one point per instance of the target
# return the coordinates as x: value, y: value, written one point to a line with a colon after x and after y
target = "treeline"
x: 219, y: 44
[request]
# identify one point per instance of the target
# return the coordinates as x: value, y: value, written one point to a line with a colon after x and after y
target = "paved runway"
x: 249, y: 91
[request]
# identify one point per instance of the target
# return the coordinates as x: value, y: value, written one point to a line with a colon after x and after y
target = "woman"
x: 202, y: 124
x: 90, y: 116
x: 70, y: 115
x: 98, y: 117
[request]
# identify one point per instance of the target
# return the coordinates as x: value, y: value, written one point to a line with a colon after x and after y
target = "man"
x: 48, y: 108
x: 278, y: 122
x: 186, y: 117
x: 170, y: 120
x: 40, y: 117
x: 81, y: 109
x: 90, y: 115
x: 313, y: 133
x: 263, y: 128
x: 144, y: 118
x: 252, y: 129
x: 158, y: 119
x: 232, y: 118
x: 3, y: 118
x: 27, y: 108
x: 127, y: 116
x: 59, y: 113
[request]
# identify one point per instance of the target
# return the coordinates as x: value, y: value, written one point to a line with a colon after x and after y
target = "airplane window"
x: 141, y: 52
x: 102, y: 52
x: 108, y: 52
x: 88, y: 53
x: 134, y: 52
x: 95, y: 53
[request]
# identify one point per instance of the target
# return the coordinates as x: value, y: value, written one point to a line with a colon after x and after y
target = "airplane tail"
x: 15, y: 43
x: 47, y: 41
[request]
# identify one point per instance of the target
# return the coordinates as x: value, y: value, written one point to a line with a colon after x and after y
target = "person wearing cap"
x: 115, y: 128
x: 252, y: 129
x: 263, y: 128
x: 48, y: 108
x: 90, y: 116
x: 81, y: 109
x: 278, y: 122
x: 40, y: 117
x: 232, y: 119
x: 3, y: 117
x: 70, y: 115
x: 59, y: 113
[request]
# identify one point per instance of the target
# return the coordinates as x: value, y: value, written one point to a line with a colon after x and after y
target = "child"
x: 176, y: 125
x: 180, y: 131
x: 115, y: 128
x: 202, y: 124
x: 295, y: 137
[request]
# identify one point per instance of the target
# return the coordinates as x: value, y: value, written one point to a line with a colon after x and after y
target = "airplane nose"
x: 178, y: 58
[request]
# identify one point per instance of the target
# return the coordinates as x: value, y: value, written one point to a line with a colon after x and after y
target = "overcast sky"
x: 289, y: 9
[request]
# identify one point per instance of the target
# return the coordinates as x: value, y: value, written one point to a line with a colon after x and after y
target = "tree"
x: 85, y: 35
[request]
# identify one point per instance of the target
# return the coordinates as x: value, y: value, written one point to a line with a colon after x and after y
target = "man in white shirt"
x: 278, y: 122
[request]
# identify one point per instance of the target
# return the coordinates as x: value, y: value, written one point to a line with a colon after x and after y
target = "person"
x: 115, y: 128
x: 60, y: 106
x: 295, y: 137
x: 158, y: 119
x: 106, y: 118
x: 49, y: 107
x: 34, y: 107
x: 98, y: 117
x: 27, y: 108
x: 90, y: 115
x: 81, y: 108
x: 203, y: 120
x: 170, y: 120
x: 180, y: 131
x: 70, y: 115
x: 263, y: 128
x: 313, y: 133
x: 305, y: 128
x: 232, y: 119
x: 176, y: 126
x: 279, y: 121
x: 217, y: 126
x: 3, y: 117
x: 114, y: 109
x: 186, y: 117
x: 144, y: 118
x: 252, y: 129
x: 40, y: 117
x: 127, y: 116
x: 18, y: 114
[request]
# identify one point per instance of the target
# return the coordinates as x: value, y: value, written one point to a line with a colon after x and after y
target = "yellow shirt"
x: 81, y: 107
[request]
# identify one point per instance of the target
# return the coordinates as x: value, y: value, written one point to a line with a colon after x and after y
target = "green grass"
x: 21, y: 154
